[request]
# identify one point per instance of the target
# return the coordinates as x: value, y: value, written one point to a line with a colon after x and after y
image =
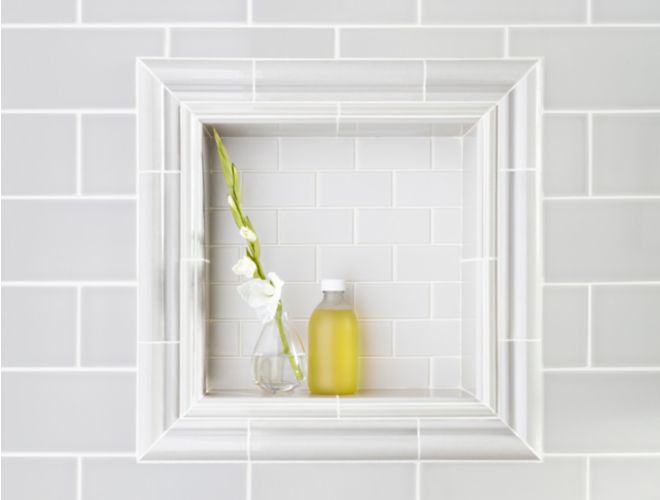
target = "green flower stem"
x: 233, y: 185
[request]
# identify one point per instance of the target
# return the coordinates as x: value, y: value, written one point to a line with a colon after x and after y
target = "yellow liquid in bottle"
x: 333, y: 351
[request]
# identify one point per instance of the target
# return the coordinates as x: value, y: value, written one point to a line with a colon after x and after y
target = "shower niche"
x: 415, y: 180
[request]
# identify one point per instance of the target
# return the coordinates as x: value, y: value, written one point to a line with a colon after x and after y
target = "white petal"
x: 245, y: 267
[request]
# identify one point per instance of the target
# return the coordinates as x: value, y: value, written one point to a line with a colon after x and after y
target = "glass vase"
x: 278, y: 359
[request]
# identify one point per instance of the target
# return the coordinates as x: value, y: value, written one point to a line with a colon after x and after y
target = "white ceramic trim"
x: 176, y: 419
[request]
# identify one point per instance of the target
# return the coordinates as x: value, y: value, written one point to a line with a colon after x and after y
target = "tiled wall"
x: 383, y: 213
x: 69, y: 223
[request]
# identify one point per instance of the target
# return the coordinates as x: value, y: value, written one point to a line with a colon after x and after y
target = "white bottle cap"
x: 333, y: 285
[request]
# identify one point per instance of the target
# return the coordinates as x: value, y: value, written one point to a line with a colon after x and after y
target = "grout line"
x: 78, y: 325
x: 78, y: 154
x: 589, y: 325
x: 262, y: 25
x: 590, y: 154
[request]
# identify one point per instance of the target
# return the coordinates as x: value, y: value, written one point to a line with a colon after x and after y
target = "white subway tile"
x: 341, y: 11
x: 626, y: 326
x: 503, y: 12
x: 565, y: 154
x: 154, y: 11
x: 613, y: 412
x: 376, y: 338
x: 317, y: 153
x: 427, y: 338
x: 38, y: 154
x: 250, y: 330
x: 385, y: 481
x: 602, y: 240
x: 252, y: 153
x: 229, y: 374
x: 252, y: 42
x: 83, y: 67
x: 295, y: 263
x: 316, y: 226
x: 613, y: 478
x: 393, y: 226
x: 108, y: 154
x: 226, y: 303
x: 38, y: 11
x: 355, y: 189
x: 223, y: 338
x: 105, y: 478
x: 76, y: 240
x: 32, y: 478
x: 108, y: 326
x: 393, y: 153
x: 428, y: 189
x: 356, y: 263
x: 447, y: 225
x: 73, y: 412
x: 394, y: 373
x: 565, y: 320
x: 422, y: 42
x: 447, y: 153
x: 394, y: 300
x: 446, y: 303
x: 583, y: 65
x: 551, y: 479
x: 632, y: 11
x: 223, y: 229
x: 38, y: 326
x: 280, y: 189
x: 626, y: 154
x: 445, y: 373
x: 435, y: 263
x: 222, y: 260
x: 300, y: 299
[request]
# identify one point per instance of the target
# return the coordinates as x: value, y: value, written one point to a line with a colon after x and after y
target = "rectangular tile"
x: 504, y: 12
x: 356, y: 263
x: 300, y: 299
x: 108, y: 326
x: 341, y: 11
x: 230, y: 373
x: 626, y: 154
x: 446, y: 300
x: 393, y: 226
x: 108, y: 154
x: 24, y: 170
x: 428, y: 189
x: 223, y: 229
x: 154, y: 11
x: 393, y: 153
x: 385, y: 481
x: 565, y: 320
x: 421, y: 42
x: 447, y: 225
x: 84, y: 67
x: 316, y: 226
x: 392, y: 300
x: 602, y: 240
x: 613, y: 478
x: 105, y: 478
x: 223, y: 338
x: 394, y: 373
x: 548, y: 480
x: 355, y: 189
x: 565, y: 154
x: 252, y: 153
x: 633, y: 11
x: 281, y: 189
x: 611, y: 412
x: 626, y: 326
x: 291, y: 263
x: 222, y: 261
x: 317, y: 153
x: 446, y: 373
x: 252, y: 42
x: 39, y: 11
x: 39, y: 477
x: 427, y: 338
x: 435, y: 263
x: 68, y: 412
x: 225, y: 303
x: 68, y: 240
x: 38, y: 326
x: 446, y: 153
x: 582, y: 65
x: 376, y: 338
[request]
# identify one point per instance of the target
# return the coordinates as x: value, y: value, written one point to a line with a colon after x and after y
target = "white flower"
x: 248, y: 234
x: 230, y: 202
x: 245, y: 267
x: 262, y: 295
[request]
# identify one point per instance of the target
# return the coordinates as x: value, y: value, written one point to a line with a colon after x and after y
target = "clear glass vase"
x: 278, y: 359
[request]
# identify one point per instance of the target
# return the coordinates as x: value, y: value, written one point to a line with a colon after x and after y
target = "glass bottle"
x: 278, y: 358
x: 333, y: 343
